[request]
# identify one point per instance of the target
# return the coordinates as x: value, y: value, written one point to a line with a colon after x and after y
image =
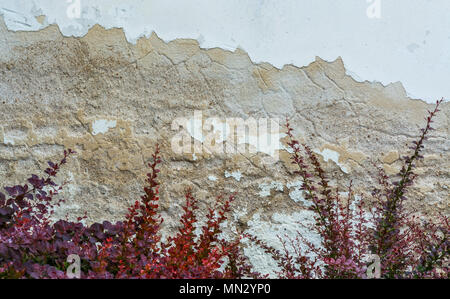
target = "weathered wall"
x: 112, y: 101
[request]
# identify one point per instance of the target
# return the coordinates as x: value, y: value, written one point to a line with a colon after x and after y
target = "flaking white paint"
x: 266, y: 188
x: 267, y: 143
x: 235, y: 174
x: 329, y: 154
x: 408, y: 43
x: 280, y: 225
x: 101, y: 126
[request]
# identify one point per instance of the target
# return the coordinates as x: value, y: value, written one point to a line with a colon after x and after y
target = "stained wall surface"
x: 112, y: 101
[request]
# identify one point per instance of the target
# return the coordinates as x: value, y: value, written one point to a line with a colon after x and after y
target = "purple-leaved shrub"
x: 31, y: 246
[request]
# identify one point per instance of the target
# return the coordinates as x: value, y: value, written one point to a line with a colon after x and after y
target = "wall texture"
x: 112, y: 101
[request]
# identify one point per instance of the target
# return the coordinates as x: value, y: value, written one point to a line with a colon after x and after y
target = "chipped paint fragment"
x: 332, y: 155
x: 235, y: 174
x: 101, y: 126
x: 266, y: 188
x: 13, y: 137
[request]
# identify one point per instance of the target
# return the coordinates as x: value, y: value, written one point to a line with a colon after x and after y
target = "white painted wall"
x: 410, y: 42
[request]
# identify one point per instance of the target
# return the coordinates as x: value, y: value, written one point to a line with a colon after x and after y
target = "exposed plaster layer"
x: 54, y: 89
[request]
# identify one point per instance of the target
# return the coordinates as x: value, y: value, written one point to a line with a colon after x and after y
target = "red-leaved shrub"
x: 354, y: 232
x: 31, y: 246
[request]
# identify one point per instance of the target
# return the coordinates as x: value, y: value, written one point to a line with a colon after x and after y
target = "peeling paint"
x: 279, y: 225
x: 249, y: 25
x: 329, y: 154
x: 266, y: 188
x: 267, y: 142
x: 235, y: 174
x: 101, y: 126
x: 212, y: 178
x: 15, y: 136
x: 145, y: 86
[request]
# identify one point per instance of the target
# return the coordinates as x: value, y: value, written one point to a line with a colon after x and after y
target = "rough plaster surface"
x: 112, y: 101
